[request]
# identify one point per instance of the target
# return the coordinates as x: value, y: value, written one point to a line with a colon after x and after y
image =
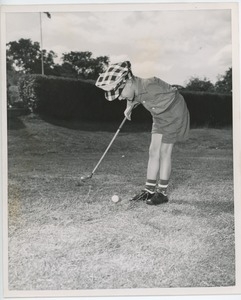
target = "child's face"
x: 128, y: 92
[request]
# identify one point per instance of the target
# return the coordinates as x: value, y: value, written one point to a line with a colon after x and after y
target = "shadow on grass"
x: 205, y: 207
x: 14, y: 123
x: 109, y: 126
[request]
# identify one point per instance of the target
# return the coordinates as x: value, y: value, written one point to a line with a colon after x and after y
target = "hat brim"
x: 111, y: 86
x: 115, y: 93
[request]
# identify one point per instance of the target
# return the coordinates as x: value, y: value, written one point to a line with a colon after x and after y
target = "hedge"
x: 61, y: 98
x: 65, y: 98
x: 209, y: 109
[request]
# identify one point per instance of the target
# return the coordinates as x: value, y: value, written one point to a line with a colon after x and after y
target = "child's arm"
x: 130, y: 105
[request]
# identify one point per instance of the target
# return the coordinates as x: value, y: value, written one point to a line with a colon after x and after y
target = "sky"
x: 173, y: 45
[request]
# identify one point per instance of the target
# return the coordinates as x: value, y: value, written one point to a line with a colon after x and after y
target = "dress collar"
x: 140, y: 86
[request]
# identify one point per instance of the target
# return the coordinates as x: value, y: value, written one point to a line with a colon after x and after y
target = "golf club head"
x: 85, y: 178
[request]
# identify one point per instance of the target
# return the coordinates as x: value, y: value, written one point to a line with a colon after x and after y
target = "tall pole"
x: 41, y: 43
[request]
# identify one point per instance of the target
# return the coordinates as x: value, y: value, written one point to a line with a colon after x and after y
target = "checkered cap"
x: 114, y: 78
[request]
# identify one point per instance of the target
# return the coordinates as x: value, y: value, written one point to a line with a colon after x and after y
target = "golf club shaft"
x: 111, y: 142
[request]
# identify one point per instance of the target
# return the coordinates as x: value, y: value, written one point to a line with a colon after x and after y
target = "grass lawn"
x: 68, y: 237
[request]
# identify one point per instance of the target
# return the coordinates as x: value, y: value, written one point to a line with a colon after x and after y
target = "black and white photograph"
x: 120, y: 149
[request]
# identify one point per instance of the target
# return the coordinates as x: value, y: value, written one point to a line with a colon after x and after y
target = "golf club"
x: 84, y: 178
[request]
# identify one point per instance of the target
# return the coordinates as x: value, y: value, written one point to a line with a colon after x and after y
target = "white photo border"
x: 236, y: 290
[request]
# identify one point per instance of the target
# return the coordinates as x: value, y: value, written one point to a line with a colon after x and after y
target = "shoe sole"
x: 150, y: 202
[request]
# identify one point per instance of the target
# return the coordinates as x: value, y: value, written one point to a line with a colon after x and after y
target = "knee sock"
x: 150, y: 186
x: 162, y: 186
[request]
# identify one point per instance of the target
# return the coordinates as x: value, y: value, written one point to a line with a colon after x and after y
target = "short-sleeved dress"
x: 167, y: 106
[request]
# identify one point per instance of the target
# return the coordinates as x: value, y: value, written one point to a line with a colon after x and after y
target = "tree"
x: 83, y: 65
x: 64, y: 70
x: 196, y: 84
x: 25, y: 56
x: 224, y: 84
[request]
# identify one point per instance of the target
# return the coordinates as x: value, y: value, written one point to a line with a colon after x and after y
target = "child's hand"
x: 128, y: 112
x: 130, y: 105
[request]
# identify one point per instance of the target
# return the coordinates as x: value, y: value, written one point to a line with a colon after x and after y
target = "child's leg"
x: 153, y: 163
x: 165, y: 167
x: 165, y: 161
x: 154, y: 156
x: 152, y: 168
x: 159, y: 163
x: 165, y: 172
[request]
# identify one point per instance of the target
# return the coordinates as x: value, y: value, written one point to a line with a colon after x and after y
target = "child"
x: 170, y: 122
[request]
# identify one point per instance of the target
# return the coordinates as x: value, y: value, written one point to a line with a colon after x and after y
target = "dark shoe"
x: 158, y: 198
x: 143, y: 196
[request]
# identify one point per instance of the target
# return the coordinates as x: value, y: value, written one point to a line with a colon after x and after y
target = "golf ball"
x: 115, y: 198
